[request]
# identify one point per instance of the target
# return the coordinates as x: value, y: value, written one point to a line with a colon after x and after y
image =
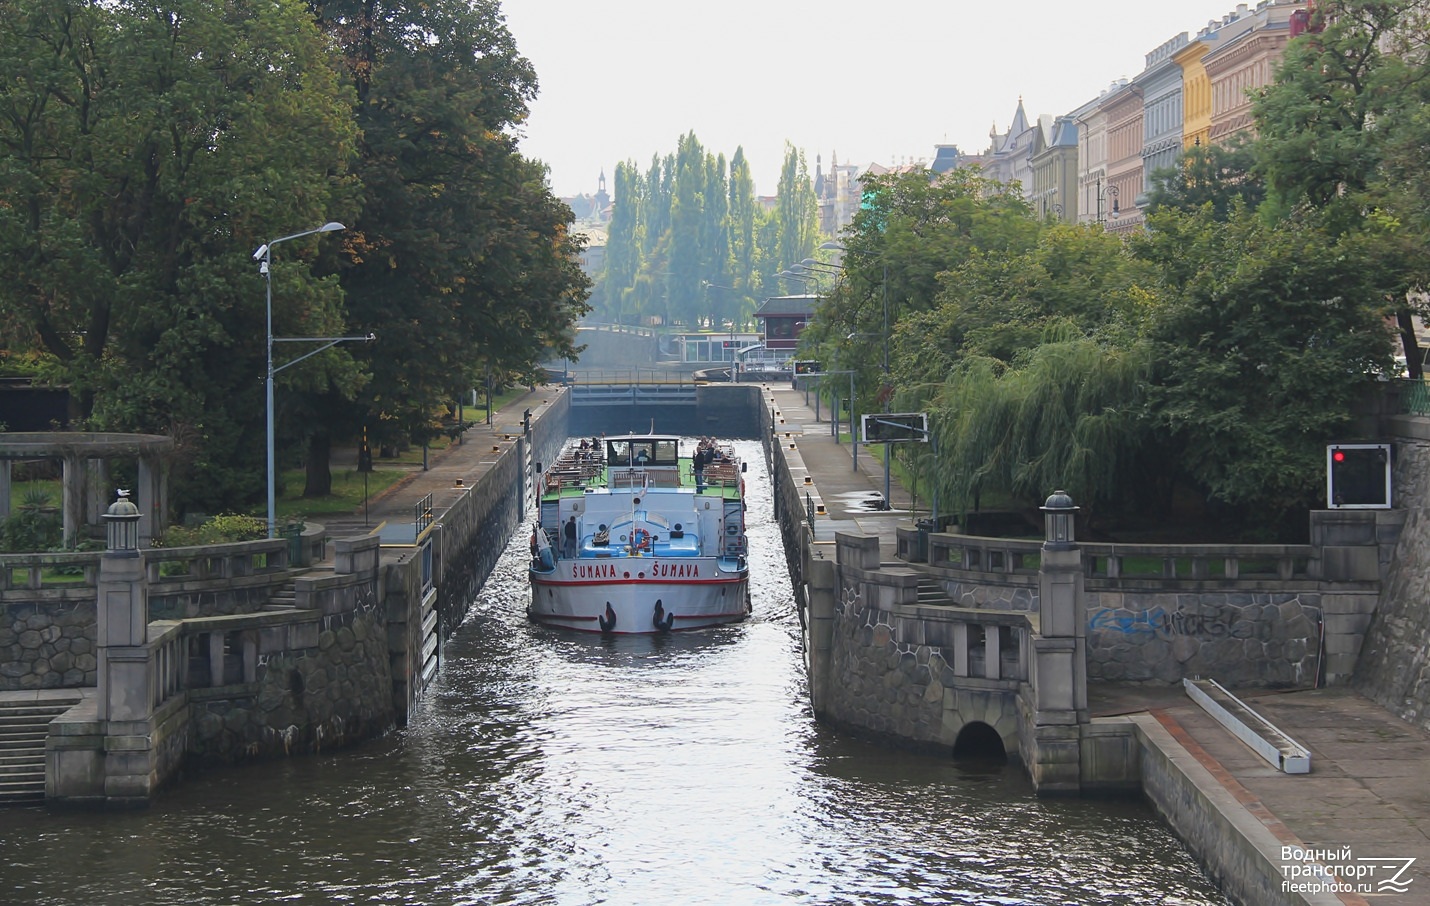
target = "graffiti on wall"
x: 1223, y: 621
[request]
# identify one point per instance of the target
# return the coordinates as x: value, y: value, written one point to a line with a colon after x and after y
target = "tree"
x: 138, y: 171
x: 1215, y: 175
x: 1266, y: 338
x: 1343, y: 126
x: 461, y: 258
x: 914, y: 229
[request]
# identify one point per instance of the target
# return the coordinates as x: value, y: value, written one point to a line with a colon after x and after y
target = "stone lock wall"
x: 1394, y: 667
x: 891, y: 673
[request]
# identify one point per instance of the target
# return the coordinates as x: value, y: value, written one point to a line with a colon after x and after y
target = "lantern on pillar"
x: 121, y: 526
x: 1058, y: 521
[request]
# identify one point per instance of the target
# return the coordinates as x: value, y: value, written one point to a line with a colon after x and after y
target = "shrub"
x: 30, y: 531
x: 216, y: 530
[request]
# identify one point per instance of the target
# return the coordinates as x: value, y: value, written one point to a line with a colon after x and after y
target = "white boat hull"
x: 639, y: 595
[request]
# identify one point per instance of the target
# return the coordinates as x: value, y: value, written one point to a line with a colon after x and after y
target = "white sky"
x: 882, y: 81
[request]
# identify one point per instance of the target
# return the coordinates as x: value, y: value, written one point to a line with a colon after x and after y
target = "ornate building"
x: 1124, y: 112
x: 1241, y: 63
x: 1162, y: 117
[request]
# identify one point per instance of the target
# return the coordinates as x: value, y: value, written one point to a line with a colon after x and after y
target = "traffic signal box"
x: 1358, y: 476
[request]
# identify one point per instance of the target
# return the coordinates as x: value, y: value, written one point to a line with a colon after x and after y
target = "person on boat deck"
x: 642, y: 456
x: 568, y: 535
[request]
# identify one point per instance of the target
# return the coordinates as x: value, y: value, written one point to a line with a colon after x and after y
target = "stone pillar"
x: 126, y: 672
x: 153, y: 495
x: 96, y: 489
x: 1059, y: 675
x: 821, y: 588
x: 6, y: 489
x: 73, y: 498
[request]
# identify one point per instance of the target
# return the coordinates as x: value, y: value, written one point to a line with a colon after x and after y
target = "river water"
x: 552, y: 768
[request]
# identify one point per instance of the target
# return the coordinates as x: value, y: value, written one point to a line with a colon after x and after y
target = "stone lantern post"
x: 126, y: 672
x: 1059, y: 675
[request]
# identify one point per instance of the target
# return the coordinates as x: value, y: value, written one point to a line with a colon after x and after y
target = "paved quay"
x: 1365, y: 804
x: 468, y: 461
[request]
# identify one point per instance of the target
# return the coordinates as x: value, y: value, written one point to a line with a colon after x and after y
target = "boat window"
x: 618, y: 452
x: 641, y: 453
x: 667, y: 452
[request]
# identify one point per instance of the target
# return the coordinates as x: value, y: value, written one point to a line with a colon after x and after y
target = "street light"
x: 264, y: 255
x: 834, y: 414
x: 1103, y: 193
x: 806, y: 280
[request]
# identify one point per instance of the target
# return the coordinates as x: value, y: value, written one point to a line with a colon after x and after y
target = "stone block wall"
x: 48, y: 645
x: 1394, y: 664
x: 891, y: 676
x: 334, y: 691
x: 1239, y: 639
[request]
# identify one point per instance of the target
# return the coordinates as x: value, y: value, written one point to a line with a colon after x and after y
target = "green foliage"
x: 138, y: 170
x: 1267, y: 337
x: 1215, y: 175
x: 690, y: 245
x: 461, y: 261
x: 223, y: 529
x: 31, y: 531
x: 1067, y: 415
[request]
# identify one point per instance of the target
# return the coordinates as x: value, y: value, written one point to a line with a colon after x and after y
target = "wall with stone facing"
x: 1394, y: 666
x: 891, y: 670
x: 1238, y: 639
x: 332, y: 692
x: 48, y: 645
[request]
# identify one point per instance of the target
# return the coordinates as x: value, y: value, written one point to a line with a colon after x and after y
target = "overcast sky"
x: 880, y: 81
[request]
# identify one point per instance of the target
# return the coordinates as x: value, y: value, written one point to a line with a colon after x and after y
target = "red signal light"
x: 1338, y: 456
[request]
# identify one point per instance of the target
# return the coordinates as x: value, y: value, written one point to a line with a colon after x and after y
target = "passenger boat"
x: 633, y: 537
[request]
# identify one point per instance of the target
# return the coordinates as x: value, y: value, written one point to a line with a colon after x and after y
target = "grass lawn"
x: 347, y: 496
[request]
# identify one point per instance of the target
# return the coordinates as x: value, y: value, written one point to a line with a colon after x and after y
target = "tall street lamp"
x: 1103, y: 193
x: 264, y: 255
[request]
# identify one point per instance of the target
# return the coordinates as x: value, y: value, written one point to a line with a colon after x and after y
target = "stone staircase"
x: 932, y: 593
x: 284, y: 597
x: 23, y: 728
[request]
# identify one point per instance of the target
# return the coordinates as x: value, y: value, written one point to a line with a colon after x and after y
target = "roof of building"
x: 784, y: 306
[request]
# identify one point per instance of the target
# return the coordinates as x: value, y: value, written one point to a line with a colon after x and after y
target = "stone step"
x: 18, y: 739
x: 27, y: 770
x: 30, y: 756
x: 932, y: 593
x: 16, y: 792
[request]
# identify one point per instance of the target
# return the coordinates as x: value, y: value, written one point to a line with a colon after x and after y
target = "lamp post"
x: 834, y: 415
x: 1103, y: 193
x: 264, y: 255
